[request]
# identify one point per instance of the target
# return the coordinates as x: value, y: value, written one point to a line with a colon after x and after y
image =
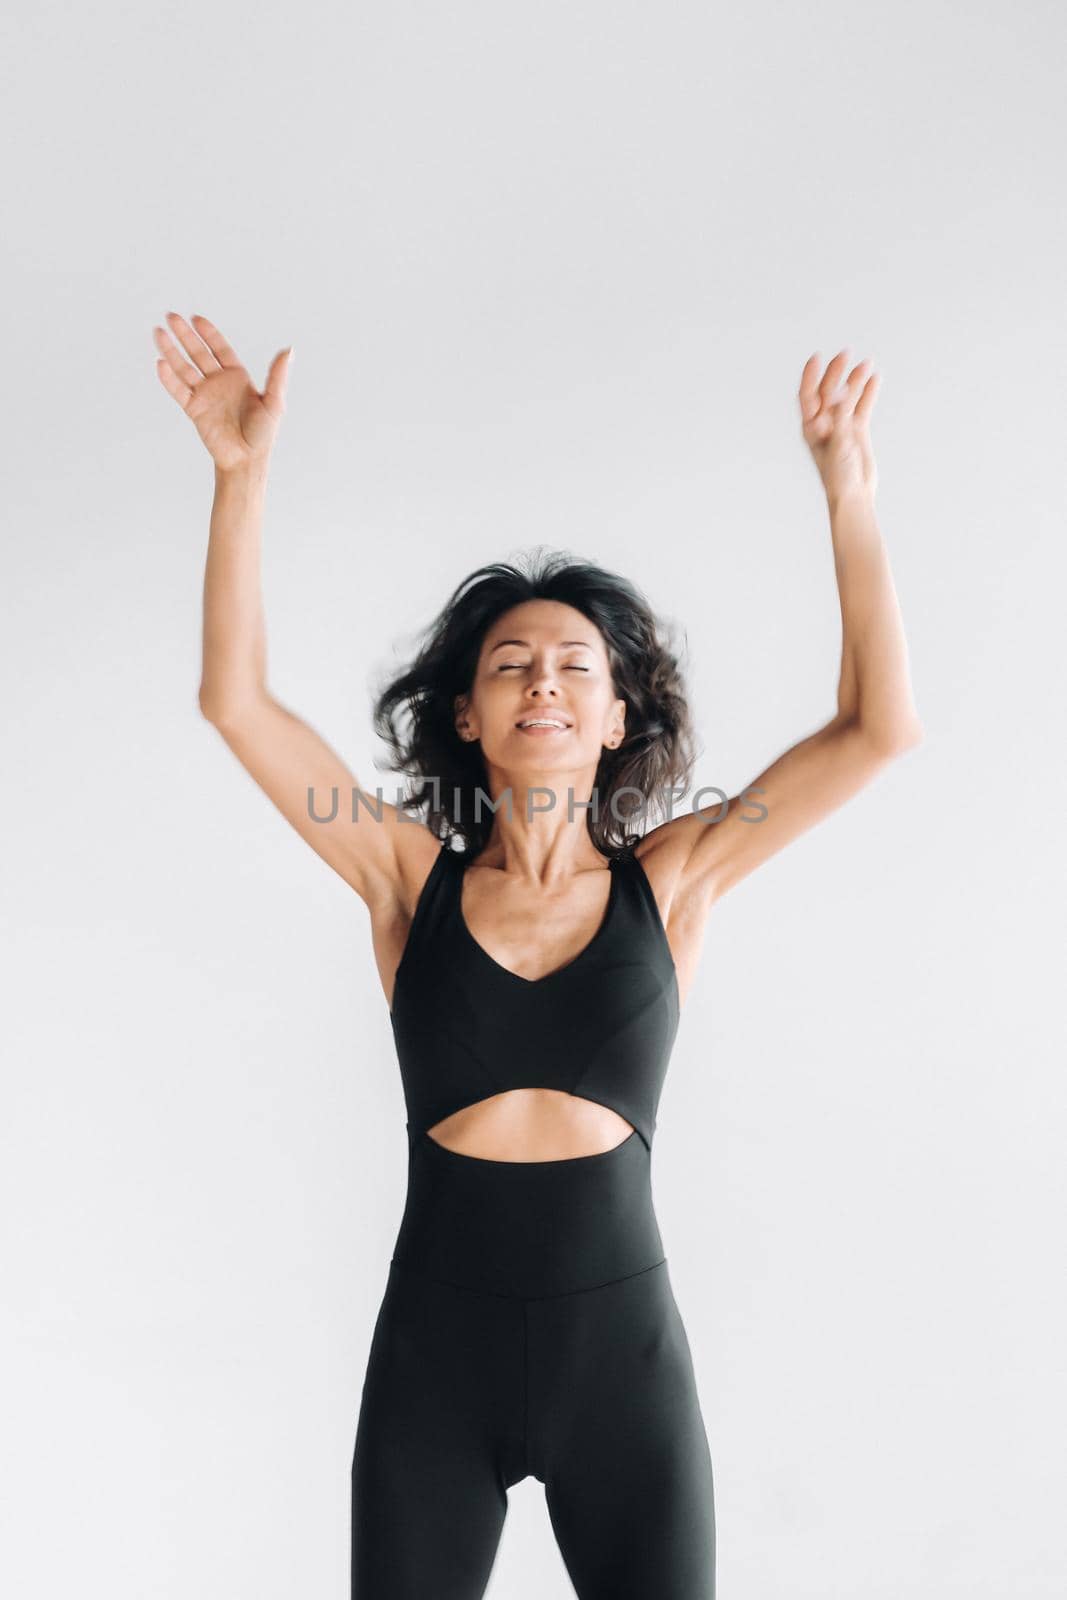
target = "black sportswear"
x: 528, y: 1324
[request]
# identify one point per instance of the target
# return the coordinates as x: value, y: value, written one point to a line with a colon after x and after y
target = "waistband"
x: 528, y: 1229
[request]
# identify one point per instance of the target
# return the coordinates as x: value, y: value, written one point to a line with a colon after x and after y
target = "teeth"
x: 541, y: 722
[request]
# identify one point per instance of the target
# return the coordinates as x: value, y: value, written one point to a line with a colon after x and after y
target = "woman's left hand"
x: 837, y: 424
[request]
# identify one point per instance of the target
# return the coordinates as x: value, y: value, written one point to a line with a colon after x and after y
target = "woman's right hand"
x: 235, y: 421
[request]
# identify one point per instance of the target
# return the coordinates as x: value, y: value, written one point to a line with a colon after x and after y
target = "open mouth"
x: 542, y: 725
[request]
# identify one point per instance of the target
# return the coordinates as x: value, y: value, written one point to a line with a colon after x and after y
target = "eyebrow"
x: 563, y: 643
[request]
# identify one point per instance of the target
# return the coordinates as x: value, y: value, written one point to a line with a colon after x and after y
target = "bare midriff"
x: 532, y: 1125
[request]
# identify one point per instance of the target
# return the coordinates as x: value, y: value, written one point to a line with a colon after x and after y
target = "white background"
x: 551, y: 273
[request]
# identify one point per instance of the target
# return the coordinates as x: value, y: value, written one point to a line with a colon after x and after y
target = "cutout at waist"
x: 550, y: 1161
x: 531, y: 1126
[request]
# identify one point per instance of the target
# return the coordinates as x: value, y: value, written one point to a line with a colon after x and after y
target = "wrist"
x: 249, y: 475
x: 847, y: 496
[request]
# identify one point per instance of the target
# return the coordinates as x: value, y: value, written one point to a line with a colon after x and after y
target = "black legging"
x: 528, y: 1327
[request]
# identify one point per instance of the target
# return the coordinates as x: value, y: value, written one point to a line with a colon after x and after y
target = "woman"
x: 534, y: 981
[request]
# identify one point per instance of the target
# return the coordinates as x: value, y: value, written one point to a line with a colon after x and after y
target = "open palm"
x: 836, y: 419
x: 236, y: 422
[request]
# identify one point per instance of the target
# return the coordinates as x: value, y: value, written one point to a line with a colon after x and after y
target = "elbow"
x: 227, y: 711
x: 896, y: 739
x: 208, y: 710
x: 213, y: 710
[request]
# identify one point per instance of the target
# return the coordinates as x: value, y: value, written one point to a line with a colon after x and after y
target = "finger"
x: 853, y: 387
x: 808, y: 393
x: 224, y: 353
x: 832, y: 377
x: 865, y: 404
x: 172, y: 383
x: 277, y: 378
x: 197, y: 349
x: 175, y: 356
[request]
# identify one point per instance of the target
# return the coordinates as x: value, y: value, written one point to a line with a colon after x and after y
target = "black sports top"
x: 601, y: 1027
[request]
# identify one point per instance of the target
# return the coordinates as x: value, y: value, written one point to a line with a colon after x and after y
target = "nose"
x: 542, y: 682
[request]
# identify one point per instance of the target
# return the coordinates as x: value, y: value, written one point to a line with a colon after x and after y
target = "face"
x: 542, y: 659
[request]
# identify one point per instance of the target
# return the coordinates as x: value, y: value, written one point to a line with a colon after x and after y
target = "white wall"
x: 551, y: 273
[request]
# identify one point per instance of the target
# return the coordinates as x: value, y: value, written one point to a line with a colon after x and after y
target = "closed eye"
x: 517, y: 666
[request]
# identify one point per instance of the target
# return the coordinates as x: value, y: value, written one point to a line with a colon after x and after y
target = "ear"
x: 461, y: 709
x: 618, y: 726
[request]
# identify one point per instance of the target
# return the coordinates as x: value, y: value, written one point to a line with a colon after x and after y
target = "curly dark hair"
x: 657, y: 752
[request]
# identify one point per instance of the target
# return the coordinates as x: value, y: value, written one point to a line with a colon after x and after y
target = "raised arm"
x: 707, y: 852
x: 284, y: 755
